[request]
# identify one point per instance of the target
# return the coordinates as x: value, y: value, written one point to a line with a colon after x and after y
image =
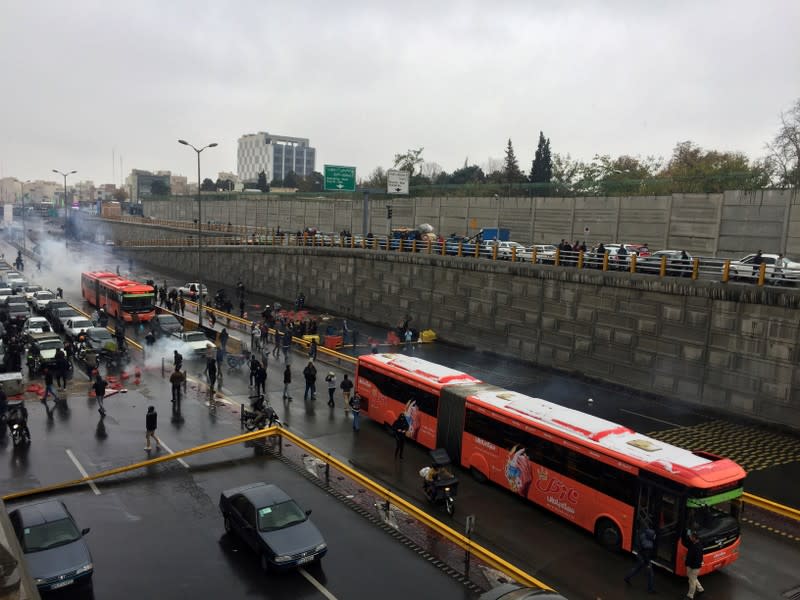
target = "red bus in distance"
x: 599, y: 475
x: 121, y: 298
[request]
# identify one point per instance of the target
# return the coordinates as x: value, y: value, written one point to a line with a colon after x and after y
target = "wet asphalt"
x: 158, y: 531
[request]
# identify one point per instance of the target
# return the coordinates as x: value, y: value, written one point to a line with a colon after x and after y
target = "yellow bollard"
x: 696, y: 268
x: 494, y: 251
x: 477, y: 250
x: 558, y: 257
x: 429, y: 245
x: 762, y: 273
x: 533, y: 255
x: 605, y: 261
x: 460, y: 248
x: 580, y: 259
x: 414, y: 245
x: 400, y: 245
x: 662, y: 271
x: 633, y: 263
x: 726, y: 271
x: 513, y: 254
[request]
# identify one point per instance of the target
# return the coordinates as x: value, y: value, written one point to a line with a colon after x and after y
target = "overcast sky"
x: 366, y: 80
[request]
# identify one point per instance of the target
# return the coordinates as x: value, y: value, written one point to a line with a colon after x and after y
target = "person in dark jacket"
x: 287, y: 381
x: 355, y: 407
x: 49, y: 389
x: 400, y: 429
x: 254, y: 366
x: 261, y: 380
x: 177, y: 380
x: 694, y: 560
x: 644, y: 558
x: 99, y: 387
x: 310, y: 375
x: 151, y: 423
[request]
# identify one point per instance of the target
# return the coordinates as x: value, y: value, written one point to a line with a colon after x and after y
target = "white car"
x: 747, y: 269
x: 505, y: 250
x: 40, y: 300
x: 36, y: 325
x: 74, y: 325
x: 545, y: 253
x: 30, y: 290
x: 186, y: 288
x: 5, y: 292
x: 195, y: 345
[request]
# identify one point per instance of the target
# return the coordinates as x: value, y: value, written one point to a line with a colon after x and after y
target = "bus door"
x: 660, y: 510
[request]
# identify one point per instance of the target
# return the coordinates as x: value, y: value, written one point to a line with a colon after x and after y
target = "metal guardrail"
x: 694, y: 268
x: 387, y: 496
x: 779, y: 509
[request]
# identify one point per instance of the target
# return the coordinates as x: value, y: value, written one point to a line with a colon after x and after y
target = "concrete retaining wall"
x: 729, y: 225
x: 733, y: 349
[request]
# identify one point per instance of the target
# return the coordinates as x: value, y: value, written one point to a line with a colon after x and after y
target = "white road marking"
x: 322, y: 589
x: 649, y: 417
x: 171, y: 451
x: 82, y: 471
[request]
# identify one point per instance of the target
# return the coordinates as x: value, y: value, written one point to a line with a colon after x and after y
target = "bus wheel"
x: 607, y: 533
x: 477, y: 475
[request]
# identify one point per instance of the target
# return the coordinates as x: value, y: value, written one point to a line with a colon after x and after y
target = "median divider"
x: 774, y: 507
x: 462, y: 541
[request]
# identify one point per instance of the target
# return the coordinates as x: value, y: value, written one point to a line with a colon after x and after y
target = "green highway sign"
x: 340, y: 179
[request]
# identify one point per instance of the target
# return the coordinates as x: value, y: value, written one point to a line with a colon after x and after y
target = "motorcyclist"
x: 17, y: 414
x: 267, y: 417
x: 430, y: 476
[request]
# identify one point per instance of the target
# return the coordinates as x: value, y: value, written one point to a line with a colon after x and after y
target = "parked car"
x: 271, y: 523
x: 166, y: 325
x: 30, y: 290
x: 40, y: 300
x: 676, y: 265
x: 73, y: 326
x: 5, y: 292
x: 55, y: 552
x: 505, y: 250
x: 545, y: 253
x: 36, y: 325
x: 42, y: 351
x: 190, y: 290
x: 746, y: 268
x: 194, y: 344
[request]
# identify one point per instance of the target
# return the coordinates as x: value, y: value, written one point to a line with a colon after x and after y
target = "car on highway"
x: 36, y: 325
x: 55, y: 552
x: 195, y: 344
x: 14, y: 308
x: 677, y: 265
x: 40, y: 300
x: 166, y: 325
x: 272, y: 524
x: 747, y: 268
x: 190, y: 290
x: 100, y: 339
x: 505, y: 250
x: 30, y: 290
x: 52, y: 306
x: 42, y: 351
x: 74, y: 326
x: 545, y: 253
x: 62, y: 315
x: 5, y: 292
x: 18, y: 285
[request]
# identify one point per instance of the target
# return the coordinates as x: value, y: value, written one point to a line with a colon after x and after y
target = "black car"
x: 55, y: 551
x: 14, y: 309
x: 52, y: 307
x: 101, y: 340
x: 265, y: 518
x: 166, y: 325
x: 61, y: 316
x: 42, y: 350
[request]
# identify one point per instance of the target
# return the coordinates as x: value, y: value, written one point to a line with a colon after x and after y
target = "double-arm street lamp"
x: 199, y: 231
x: 64, y: 175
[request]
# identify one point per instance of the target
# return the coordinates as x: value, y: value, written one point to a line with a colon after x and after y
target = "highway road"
x: 547, y: 547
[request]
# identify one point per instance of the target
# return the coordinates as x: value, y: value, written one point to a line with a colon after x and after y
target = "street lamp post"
x: 199, y: 230
x: 22, y: 198
x: 64, y: 175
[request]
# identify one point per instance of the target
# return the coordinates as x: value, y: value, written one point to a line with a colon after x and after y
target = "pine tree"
x: 511, y: 171
x: 262, y: 182
x: 542, y: 166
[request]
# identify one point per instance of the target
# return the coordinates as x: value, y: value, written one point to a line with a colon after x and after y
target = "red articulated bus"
x: 120, y: 297
x: 598, y: 474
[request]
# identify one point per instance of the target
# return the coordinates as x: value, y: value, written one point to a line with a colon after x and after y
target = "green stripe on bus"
x: 711, y: 500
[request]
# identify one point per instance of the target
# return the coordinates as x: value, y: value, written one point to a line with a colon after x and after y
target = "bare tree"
x: 409, y: 161
x: 430, y: 170
x: 784, y: 149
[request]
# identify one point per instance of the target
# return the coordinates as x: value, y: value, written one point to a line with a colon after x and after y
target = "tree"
x: 511, y: 172
x: 376, y: 179
x: 692, y: 169
x: 784, y: 149
x: 208, y: 186
x: 542, y: 165
x: 409, y: 160
x: 261, y: 184
x: 430, y: 170
x: 468, y: 174
x: 290, y: 181
x: 159, y: 188
x: 120, y: 195
x: 226, y: 185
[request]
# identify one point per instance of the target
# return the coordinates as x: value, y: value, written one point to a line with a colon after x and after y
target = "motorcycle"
x: 17, y: 421
x: 260, y: 415
x: 439, y: 485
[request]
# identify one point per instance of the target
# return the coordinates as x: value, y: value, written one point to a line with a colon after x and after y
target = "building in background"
x: 144, y: 184
x: 276, y: 155
x: 179, y: 185
x: 84, y: 192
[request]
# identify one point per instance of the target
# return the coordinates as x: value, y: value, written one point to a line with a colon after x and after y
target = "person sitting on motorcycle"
x: 17, y: 414
x: 430, y: 476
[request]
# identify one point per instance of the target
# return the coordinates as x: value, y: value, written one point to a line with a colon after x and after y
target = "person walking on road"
x: 277, y: 349
x: 223, y: 339
x: 400, y: 429
x: 177, y: 379
x: 151, y: 424
x: 62, y: 368
x: 355, y: 407
x: 182, y: 305
x: 331, y: 379
x: 49, y: 389
x: 287, y: 381
x: 694, y: 560
x: 310, y: 374
x: 347, y: 389
x: 261, y: 380
x: 287, y: 343
x: 312, y: 349
x: 254, y: 366
x: 211, y: 372
x: 99, y: 387
x: 644, y: 558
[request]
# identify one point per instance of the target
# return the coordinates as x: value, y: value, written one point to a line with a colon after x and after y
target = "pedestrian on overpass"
x: 151, y: 423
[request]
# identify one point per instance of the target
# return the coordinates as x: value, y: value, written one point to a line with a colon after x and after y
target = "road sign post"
x: 340, y: 179
x: 397, y: 181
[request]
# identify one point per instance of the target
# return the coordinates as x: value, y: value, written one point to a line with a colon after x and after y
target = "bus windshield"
x: 715, y: 515
x: 137, y: 302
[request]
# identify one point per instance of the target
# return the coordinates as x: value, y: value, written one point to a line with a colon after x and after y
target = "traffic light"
x: 388, y: 212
